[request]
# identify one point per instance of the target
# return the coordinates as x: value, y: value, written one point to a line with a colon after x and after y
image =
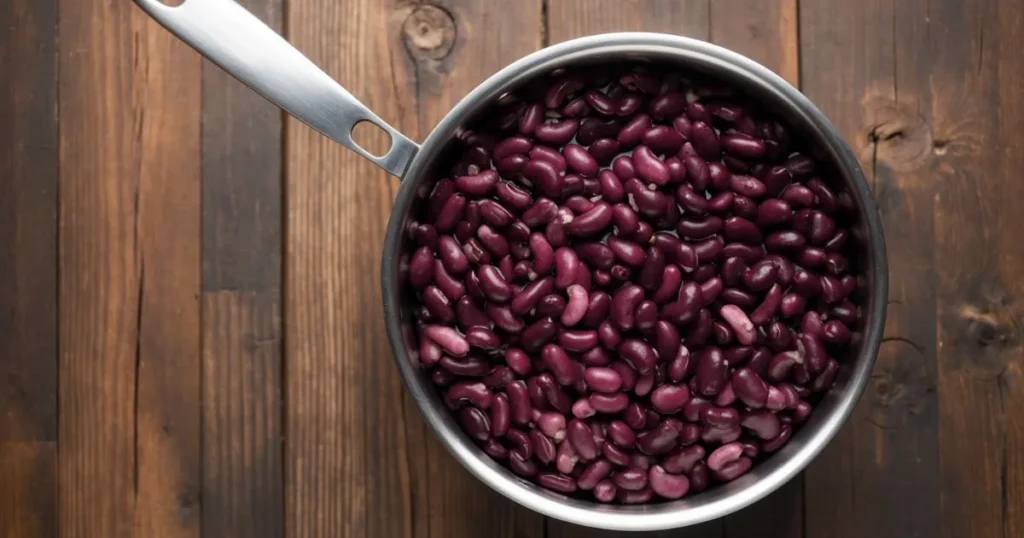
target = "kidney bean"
x: 669, y: 399
x: 475, y: 422
x: 709, y: 250
x: 531, y: 294
x: 557, y: 133
x: 750, y: 388
x: 579, y: 160
x: 747, y: 186
x: 721, y: 202
x: 559, y: 363
x: 734, y: 469
x: 623, y: 168
x: 627, y: 252
x: 719, y: 417
x: 582, y: 409
x: 638, y: 354
x: 722, y: 332
x: 648, y: 166
x: 667, y: 105
x: 448, y: 339
x: 699, y: 478
x: 826, y: 378
x: 540, y: 213
x: 705, y: 141
x: 742, y: 146
x: 798, y: 195
x: 472, y: 392
x: 782, y: 364
x: 623, y: 305
x: 724, y: 455
x: 845, y: 312
x: 784, y: 240
x: 465, y: 367
x: 669, y: 486
x: 603, y: 151
x: 741, y: 325
x: 631, y: 133
x: 773, y: 212
x: 438, y: 305
x: 764, y: 424
x: 801, y: 412
x: 832, y: 290
x: 582, y: 439
x: 621, y: 434
x: 421, y: 267
x: 593, y: 474
x: 696, y: 229
x: 768, y: 307
x: 712, y: 372
x: 531, y: 118
x: 742, y: 230
x: 630, y: 479
x: 612, y: 190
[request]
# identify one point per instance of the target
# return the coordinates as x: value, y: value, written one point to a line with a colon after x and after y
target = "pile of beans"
x: 633, y: 285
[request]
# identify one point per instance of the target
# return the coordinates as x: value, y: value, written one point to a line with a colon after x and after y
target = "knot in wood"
x: 895, y: 135
x: 429, y: 32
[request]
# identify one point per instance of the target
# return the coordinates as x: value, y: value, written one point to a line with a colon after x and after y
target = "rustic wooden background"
x: 191, y: 338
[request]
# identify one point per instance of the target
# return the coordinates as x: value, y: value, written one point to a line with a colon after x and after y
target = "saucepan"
x: 243, y: 46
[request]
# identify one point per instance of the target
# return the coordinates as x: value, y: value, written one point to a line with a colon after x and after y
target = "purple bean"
x: 832, y: 290
x: 826, y: 378
x: 667, y: 105
x: 638, y: 354
x: 472, y: 392
x: 687, y: 305
x: 750, y: 388
x: 764, y: 424
x: 512, y: 196
x: 798, y: 195
x: 596, y: 220
x: 734, y: 470
x: 582, y: 439
x: 712, y: 372
x: 609, y: 403
x: 630, y: 479
x: 775, y: 444
x: 624, y: 304
x: 768, y: 307
x: 579, y: 160
x: 724, y: 455
x: 669, y: 399
x: 709, y: 250
x: 696, y: 229
x: 668, y: 284
x: 449, y: 340
x: 782, y: 364
x: 558, y: 362
x: 649, y: 167
x: 705, y: 141
x: 551, y: 306
x: 742, y: 230
x: 593, y: 474
x: 558, y: 133
x: 719, y: 417
x: 741, y: 325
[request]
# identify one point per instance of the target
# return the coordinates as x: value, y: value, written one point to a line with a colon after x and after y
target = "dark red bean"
x: 710, y: 289
x: 734, y: 470
x: 558, y: 133
x: 566, y: 458
x: 452, y: 255
x: 719, y: 417
x: 540, y: 213
x: 776, y: 180
x: 608, y: 403
x: 719, y: 177
x: 532, y: 116
x: 494, y: 242
x: 567, y: 264
x: 582, y: 439
x: 579, y: 160
x: 712, y: 372
x: 832, y: 290
x: 826, y: 199
x: 750, y: 388
x: 551, y: 306
x: 709, y: 249
x: 743, y: 146
x: 531, y: 294
x: 687, y: 305
x: 846, y: 312
x: 471, y: 392
x: 594, y: 473
x: 721, y: 202
x: 553, y: 393
x: 623, y: 305
x: 782, y: 364
x: 768, y: 307
x: 798, y: 196
x: 544, y: 450
x: 826, y: 378
x: 512, y: 196
x: 477, y: 185
x: 635, y: 497
x: 764, y: 424
x: 483, y: 338
x: 696, y: 229
x: 747, y: 186
x: 801, y: 412
x: 630, y: 479
x: 421, y: 267
x: 723, y: 334
x: 632, y: 133
x: 705, y: 141
x: 742, y: 230
x: 539, y: 333
x: 663, y: 139
x: 521, y: 466
x: 649, y: 167
x: 740, y: 324
x: 784, y: 240
x: 623, y: 168
x: 669, y: 399
x: 510, y: 167
x: 775, y: 444
x: 621, y: 434
x: 603, y: 151
x: 592, y: 222
x: 611, y: 188
x: 493, y: 284
x: 516, y: 145
x: 699, y: 478
x: 558, y: 363
x: 732, y: 270
x: 773, y: 212
x: 465, y: 366
x: 475, y: 422
x: 638, y: 354
x: 667, y: 105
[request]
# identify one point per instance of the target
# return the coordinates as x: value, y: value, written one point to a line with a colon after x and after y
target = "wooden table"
x: 190, y: 316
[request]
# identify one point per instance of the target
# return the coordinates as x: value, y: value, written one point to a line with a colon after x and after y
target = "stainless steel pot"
x: 242, y: 45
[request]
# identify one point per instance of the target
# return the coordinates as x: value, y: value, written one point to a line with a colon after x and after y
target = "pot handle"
x: 255, y: 54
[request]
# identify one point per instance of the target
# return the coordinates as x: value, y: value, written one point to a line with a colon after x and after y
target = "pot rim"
x: 806, y: 444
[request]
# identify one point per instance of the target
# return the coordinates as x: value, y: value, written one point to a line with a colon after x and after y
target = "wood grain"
x: 129, y: 276
x: 28, y: 489
x: 360, y: 461
x: 872, y: 76
x: 28, y: 222
x: 975, y: 86
x: 243, y: 488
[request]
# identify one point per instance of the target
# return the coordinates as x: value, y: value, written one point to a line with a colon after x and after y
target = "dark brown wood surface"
x: 191, y: 333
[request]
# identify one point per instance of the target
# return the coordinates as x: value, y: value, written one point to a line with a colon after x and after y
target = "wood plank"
x: 977, y: 104
x: 243, y: 492
x: 360, y: 461
x: 28, y: 490
x: 28, y: 222
x: 871, y: 76
x: 242, y: 479
x: 129, y: 276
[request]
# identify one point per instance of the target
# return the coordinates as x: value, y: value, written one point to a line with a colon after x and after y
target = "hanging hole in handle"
x: 371, y: 138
